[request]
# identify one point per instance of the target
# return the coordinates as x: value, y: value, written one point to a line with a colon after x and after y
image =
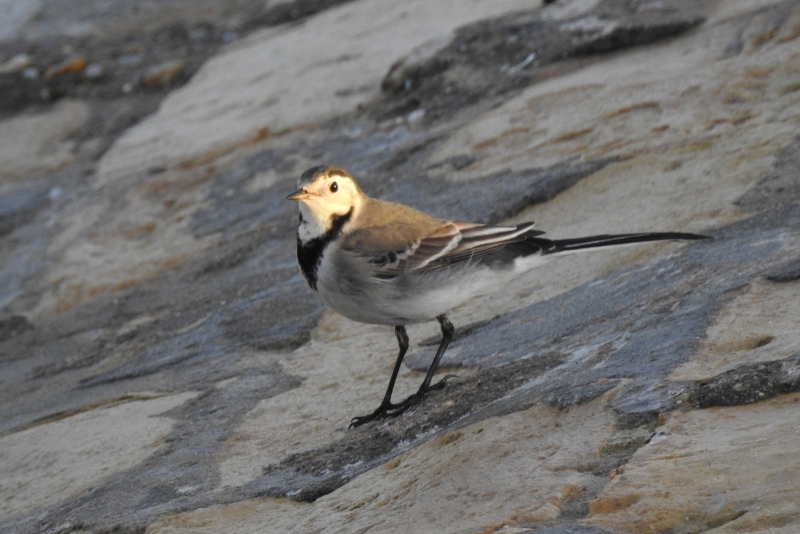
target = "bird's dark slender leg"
x: 447, y: 335
x: 386, y: 404
x: 387, y: 409
x: 402, y: 341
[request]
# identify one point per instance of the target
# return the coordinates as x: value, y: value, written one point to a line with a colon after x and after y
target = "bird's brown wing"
x: 394, y: 249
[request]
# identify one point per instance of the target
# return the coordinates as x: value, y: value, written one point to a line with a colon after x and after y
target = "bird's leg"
x: 447, y: 335
x: 387, y: 409
x: 386, y: 405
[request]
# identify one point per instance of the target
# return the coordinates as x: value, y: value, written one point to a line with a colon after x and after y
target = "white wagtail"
x: 379, y: 262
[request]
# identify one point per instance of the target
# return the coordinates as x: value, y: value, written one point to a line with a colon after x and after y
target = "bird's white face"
x: 331, y: 193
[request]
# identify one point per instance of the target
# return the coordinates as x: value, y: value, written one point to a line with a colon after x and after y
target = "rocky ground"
x: 165, y: 369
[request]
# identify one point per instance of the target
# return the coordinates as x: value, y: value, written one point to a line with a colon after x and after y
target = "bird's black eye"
x: 334, y: 187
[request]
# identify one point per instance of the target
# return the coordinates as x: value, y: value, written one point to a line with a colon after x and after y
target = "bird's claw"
x: 387, y: 409
x: 441, y: 383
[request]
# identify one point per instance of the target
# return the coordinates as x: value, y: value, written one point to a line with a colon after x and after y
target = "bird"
x: 379, y: 262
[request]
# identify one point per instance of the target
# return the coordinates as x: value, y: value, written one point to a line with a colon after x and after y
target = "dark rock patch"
x: 13, y: 326
x: 493, y: 57
x: 20, y: 206
x: 748, y: 384
x: 781, y: 185
x: 785, y: 274
x: 285, y: 12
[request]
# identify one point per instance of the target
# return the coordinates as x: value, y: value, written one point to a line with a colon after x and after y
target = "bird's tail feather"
x: 561, y: 246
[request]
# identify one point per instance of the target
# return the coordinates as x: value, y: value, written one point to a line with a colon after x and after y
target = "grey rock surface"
x: 164, y: 367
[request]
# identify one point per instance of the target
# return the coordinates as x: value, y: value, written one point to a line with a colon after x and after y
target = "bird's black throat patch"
x: 309, y: 254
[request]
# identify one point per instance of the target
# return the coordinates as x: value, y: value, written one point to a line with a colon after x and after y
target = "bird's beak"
x: 300, y: 194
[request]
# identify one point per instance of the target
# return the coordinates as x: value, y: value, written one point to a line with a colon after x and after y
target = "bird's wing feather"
x: 392, y: 251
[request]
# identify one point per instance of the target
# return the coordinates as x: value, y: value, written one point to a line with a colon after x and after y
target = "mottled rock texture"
x: 164, y: 368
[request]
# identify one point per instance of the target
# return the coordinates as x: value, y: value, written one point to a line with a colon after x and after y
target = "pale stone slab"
x: 678, y: 98
x: 728, y: 9
x: 727, y: 469
x: 14, y: 14
x: 36, y: 143
x: 49, y: 463
x: 759, y: 325
x: 289, y: 77
x: 502, y: 471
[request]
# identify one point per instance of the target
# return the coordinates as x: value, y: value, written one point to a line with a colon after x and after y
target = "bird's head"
x: 326, y: 194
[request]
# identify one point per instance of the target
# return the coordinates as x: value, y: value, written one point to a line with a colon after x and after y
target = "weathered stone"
x: 787, y: 273
x: 173, y: 269
x: 163, y: 74
x: 283, y: 11
x: 780, y: 184
x: 15, y: 16
x: 13, y: 326
x: 152, y: 34
x: 284, y: 93
x: 748, y: 384
x: 726, y: 469
x: 68, y: 66
x: 15, y: 64
x: 19, y: 207
x: 31, y: 144
x: 477, y: 471
x: 757, y: 325
x: 80, y: 450
x: 493, y: 57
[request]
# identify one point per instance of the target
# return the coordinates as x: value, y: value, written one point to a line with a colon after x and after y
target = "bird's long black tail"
x: 556, y: 246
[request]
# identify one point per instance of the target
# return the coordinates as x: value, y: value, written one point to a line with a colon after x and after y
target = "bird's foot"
x: 388, y: 409
x: 440, y: 384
